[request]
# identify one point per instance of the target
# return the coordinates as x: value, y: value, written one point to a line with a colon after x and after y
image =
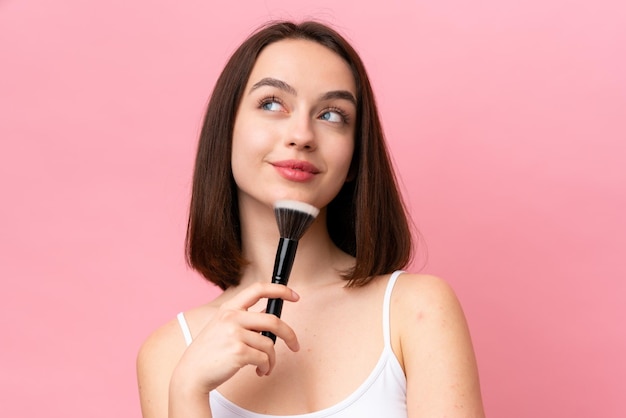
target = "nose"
x: 301, y: 134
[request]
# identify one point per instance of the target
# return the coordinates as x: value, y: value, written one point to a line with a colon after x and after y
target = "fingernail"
x: 295, y: 295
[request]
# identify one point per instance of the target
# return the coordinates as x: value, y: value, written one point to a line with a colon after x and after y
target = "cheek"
x: 345, y: 155
x: 251, y: 134
x: 238, y: 155
x: 249, y: 147
x: 243, y: 142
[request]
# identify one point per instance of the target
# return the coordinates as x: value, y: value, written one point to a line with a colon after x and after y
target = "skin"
x: 293, y: 109
x: 297, y: 106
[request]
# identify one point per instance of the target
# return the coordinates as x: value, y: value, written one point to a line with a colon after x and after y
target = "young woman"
x: 293, y: 116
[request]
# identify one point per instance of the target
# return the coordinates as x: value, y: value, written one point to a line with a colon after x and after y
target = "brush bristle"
x: 294, y: 218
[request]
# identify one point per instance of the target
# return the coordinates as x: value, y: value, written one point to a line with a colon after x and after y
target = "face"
x: 294, y: 131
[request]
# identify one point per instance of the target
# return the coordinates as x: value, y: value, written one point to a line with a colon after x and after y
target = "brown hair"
x: 367, y: 219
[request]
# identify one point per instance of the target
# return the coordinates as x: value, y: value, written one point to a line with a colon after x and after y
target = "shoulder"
x: 157, y: 358
x: 164, y: 342
x: 435, y: 347
x: 425, y: 308
x: 167, y: 343
x: 423, y: 293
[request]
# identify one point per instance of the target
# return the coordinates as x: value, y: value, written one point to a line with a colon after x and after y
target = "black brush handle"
x: 285, y: 254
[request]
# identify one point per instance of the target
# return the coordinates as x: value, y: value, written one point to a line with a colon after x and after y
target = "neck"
x: 317, y: 260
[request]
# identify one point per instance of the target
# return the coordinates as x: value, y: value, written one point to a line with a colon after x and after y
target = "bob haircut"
x: 367, y: 219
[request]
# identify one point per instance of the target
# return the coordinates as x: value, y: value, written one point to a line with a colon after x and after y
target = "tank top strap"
x: 387, y: 306
x: 184, y: 328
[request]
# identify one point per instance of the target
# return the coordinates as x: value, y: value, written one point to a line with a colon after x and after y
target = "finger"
x: 264, y: 322
x: 265, y: 356
x: 251, y: 295
x: 233, y: 321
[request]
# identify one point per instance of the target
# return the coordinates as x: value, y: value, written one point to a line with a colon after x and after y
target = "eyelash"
x: 273, y: 99
x: 269, y: 99
x: 344, y: 115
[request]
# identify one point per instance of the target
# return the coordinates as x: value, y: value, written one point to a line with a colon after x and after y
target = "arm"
x: 436, y: 351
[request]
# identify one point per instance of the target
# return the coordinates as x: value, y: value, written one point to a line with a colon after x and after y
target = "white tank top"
x: 382, y: 394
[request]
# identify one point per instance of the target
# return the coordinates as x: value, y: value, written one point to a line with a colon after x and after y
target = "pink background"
x: 507, y: 121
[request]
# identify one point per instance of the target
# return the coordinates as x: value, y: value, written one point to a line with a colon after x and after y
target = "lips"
x: 296, y: 170
x: 297, y: 165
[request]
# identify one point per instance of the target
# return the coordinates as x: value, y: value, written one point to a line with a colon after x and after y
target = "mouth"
x: 297, y: 165
x: 296, y: 170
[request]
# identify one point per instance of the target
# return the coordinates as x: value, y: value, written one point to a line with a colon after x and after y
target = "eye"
x: 334, y: 115
x: 271, y: 104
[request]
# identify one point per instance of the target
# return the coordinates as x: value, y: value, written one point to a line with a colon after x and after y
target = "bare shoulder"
x: 423, y: 293
x: 435, y: 348
x: 156, y: 360
x: 158, y: 356
x: 165, y: 342
x: 425, y: 308
x: 168, y: 341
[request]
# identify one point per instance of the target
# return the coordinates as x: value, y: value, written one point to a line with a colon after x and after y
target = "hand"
x: 232, y: 339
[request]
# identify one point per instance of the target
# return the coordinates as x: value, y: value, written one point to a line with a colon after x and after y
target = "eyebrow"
x: 340, y: 94
x: 272, y: 82
x: 279, y: 84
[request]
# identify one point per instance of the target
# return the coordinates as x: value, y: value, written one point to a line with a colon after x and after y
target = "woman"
x: 292, y: 116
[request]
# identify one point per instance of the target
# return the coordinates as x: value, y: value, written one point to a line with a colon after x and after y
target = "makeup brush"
x: 293, y: 219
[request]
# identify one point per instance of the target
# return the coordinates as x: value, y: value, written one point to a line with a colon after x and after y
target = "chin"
x: 268, y: 196
x: 300, y: 197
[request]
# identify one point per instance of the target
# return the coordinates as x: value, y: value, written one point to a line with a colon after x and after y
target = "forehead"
x: 303, y: 62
